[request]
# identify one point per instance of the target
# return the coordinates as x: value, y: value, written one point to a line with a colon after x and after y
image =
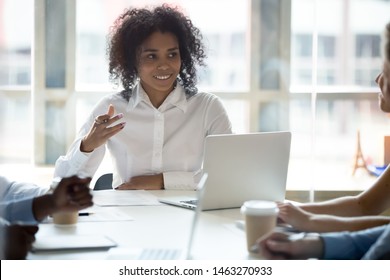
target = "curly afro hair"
x: 132, y: 27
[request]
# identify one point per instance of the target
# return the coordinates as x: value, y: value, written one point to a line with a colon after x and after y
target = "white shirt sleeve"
x: 76, y: 162
x: 18, y: 211
x: 217, y: 119
x: 179, y: 181
x: 16, y: 200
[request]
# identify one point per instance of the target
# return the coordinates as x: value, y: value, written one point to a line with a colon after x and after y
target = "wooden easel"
x: 359, y: 159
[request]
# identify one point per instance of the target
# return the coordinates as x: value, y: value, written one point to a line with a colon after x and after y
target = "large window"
x: 15, y: 42
x: 15, y: 80
x: 334, y: 64
x: 307, y: 66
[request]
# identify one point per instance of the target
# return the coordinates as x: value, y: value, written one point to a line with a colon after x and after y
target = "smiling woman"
x: 159, y: 141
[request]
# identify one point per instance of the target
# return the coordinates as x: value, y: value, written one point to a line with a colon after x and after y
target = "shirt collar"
x: 135, y: 98
x: 176, y: 98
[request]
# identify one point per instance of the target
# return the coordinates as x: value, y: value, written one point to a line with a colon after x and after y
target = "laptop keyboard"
x: 159, y: 254
x: 192, y: 202
x: 126, y: 253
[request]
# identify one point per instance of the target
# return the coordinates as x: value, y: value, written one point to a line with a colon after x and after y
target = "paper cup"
x: 65, y: 218
x: 260, y: 219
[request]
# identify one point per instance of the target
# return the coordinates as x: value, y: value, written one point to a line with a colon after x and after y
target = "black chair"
x: 104, y: 182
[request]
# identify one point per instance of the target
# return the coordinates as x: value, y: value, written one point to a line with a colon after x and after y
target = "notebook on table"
x: 72, y: 242
x: 242, y: 167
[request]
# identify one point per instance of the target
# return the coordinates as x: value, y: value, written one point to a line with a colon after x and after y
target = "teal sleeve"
x: 18, y: 211
x: 381, y: 248
x: 350, y: 245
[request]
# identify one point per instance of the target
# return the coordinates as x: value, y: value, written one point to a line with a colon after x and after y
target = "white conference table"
x: 216, y: 235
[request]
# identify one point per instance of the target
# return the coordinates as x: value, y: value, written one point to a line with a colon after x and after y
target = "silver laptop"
x: 242, y: 167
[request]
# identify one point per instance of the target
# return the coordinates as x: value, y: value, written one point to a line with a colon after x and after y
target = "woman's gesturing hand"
x: 102, y: 130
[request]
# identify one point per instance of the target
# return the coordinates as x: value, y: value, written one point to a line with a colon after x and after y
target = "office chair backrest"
x: 104, y: 182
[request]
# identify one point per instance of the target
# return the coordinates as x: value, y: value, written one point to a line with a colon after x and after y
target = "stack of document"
x: 124, y: 198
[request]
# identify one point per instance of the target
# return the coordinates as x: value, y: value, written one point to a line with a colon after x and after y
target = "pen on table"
x: 85, y: 214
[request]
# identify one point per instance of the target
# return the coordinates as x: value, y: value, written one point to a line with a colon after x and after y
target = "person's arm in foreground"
x: 71, y: 194
x: 306, y: 221
x: 16, y: 240
x: 372, y: 201
x: 280, y: 246
x: 336, y: 245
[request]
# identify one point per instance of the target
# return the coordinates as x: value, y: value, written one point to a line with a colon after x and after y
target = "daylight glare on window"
x: 307, y: 66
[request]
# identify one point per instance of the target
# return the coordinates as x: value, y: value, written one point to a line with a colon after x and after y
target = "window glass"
x: 367, y: 45
x: 326, y: 121
x: 15, y: 42
x: 15, y: 79
x: 326, y: 46
x: 345, y: 44
x: 15, y: 127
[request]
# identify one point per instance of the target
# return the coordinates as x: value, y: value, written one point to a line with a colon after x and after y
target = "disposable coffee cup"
x: 65, y: 218
x: 68, y: 218
x: 260, y: 219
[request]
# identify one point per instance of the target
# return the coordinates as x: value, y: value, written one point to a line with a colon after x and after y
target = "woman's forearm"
x: 344, y: 206
x: 327, y: 223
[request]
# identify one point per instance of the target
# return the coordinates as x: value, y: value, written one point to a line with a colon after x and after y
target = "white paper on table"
x: 124, y: 198
x: 104, y: 215
x: 99, y: 214
x: 72, y: 242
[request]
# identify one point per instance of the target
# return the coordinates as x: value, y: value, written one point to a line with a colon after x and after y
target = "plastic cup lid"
x: 259, y: 207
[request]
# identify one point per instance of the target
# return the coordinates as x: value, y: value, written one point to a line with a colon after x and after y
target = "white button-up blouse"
x: 168, y: 140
